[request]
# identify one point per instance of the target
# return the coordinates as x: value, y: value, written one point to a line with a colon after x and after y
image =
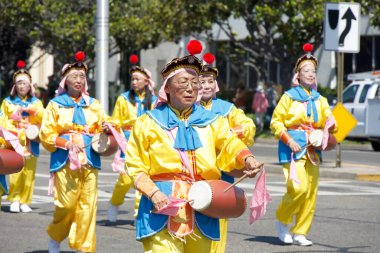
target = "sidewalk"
x: 328, y: 169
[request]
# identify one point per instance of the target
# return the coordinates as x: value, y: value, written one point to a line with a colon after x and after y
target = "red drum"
x: 208, y: 197
x: 104, y: 144
x: 32, y: 133
x: 10, y: 162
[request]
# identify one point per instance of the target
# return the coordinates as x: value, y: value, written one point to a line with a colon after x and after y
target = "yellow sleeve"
x: 8, y: 109
x: 232, y: 151
x: 124, y: 112
x: 48, y: 130
x: 37, y: 118
x: 7, y: 124
x: 277, y: 124
x: 238, y: 120
x: 138, y: 148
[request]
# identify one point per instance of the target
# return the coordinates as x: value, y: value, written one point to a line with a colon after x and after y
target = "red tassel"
x: 79, y: 56
x: 133, y: 59
x: 20, y: 64
x: 209, y: 58
x: 194, y: 47
x: 308, y: 47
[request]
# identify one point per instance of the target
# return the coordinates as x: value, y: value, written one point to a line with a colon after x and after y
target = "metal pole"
x: 102, y: 27
x: 340, y: 100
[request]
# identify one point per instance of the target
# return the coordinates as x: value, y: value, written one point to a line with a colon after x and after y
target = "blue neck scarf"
x: 299, y: 94
x: 18, y: 101
x: 140, y: 108
x: 66, y: 101
x: 187, y: 137
x: 221, y: 107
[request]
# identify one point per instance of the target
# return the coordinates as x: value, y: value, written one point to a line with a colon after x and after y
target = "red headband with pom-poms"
x: 308, y: 47
x: 133, y: 59
x: 194, y: 47
x: 209, y: 58
x: 20, y: 64
x: 79, y: 56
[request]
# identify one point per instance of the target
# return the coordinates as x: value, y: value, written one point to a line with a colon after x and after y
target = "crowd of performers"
x: 167, y: 144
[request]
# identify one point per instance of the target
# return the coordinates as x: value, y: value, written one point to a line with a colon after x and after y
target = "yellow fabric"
x: 235, y: 118
x: 22, y: 183
x: 163, y: 242
x: 2, y: 192
x: 58, y: 120
x: 75, y: 200
x: 7, y: 124
x: 290, y: 113
x: 122, y: 186
x: 299, y: 201
x: 125, y: 114
x: 150, y: 150
x: 220, y: 246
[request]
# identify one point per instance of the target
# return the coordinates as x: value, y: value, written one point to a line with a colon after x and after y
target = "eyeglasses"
x: 183, y: 84
x: 75, y: 76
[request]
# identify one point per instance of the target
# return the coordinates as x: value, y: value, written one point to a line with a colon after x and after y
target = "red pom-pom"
x: 79, y: 56
x: 209, y: 58
x: 308, y: 47
x: 134, y: 59
x: 194, y: 47
x: 20, y: 64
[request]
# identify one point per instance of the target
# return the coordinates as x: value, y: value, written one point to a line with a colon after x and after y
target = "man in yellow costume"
x: 172, y: 146
x: 24, y: 110
x: 300, y: 111
x: 130, y: 105
x: 69, y: 122
x: 238, y: 121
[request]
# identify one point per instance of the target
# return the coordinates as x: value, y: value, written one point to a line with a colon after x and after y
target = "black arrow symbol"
x: 348, y: 16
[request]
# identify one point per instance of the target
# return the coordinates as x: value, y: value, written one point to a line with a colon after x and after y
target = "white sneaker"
x: 301, y: 240
x: 283, y: 233
x: 112, y: 213
x: 54, y: 247
x: 25, y: 208
x: 15, y: 207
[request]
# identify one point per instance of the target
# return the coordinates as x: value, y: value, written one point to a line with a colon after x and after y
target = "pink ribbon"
x: 293, y: 170
x: 330, y: 122
x: 13, y: 140
x: 260, y: 199
x: 172, y: 208
x: 74, y: 160
x: 51, y: 184
x: 121, y: 141
x: 118, y: 163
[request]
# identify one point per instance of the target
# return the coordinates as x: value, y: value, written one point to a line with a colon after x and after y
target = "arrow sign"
x: 342, y: 27
x: 348, y: 16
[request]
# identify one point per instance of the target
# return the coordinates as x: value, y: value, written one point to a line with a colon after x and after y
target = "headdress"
x: 145, y: 72
x: 22, y: 74
x: 307, y: 58
x: 208, y: 69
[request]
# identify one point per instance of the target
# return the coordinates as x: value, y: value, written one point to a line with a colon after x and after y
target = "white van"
x: 362, y: 98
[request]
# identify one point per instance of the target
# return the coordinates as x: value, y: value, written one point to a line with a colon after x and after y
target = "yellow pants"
x: 75, y: 199
x: 300, y: 201
x: 220, y: 246
x: 122, y: 186
x: 163, y: 242
x: 21, y: 184
x: 2, y: 192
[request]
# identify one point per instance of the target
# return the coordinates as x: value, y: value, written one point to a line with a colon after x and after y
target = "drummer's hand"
x: 71, y: 145
x: 105, y: 128
x: 293, y: 145
x: 160, y: 200
x: 252, y: 166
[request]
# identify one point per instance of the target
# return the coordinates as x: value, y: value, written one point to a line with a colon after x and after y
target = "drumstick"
x: 90, y: 143
x: 241, y: 179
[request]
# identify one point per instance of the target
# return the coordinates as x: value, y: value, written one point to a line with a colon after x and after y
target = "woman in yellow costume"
x: 300, y: 111
x: 172, y: 146
x: 130, y: 105
x: 23, y: 109
x: 70, y: 120
x: 238, y: 121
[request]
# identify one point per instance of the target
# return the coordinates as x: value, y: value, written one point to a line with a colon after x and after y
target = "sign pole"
x: 340, y: 100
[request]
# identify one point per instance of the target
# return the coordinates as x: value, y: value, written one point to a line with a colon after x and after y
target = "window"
x: 350, y: 93
x: 363, y: 95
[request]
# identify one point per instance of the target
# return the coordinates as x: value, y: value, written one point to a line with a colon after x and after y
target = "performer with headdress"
x: 69, y: 122
x: 129, y: 106
x: 24, y: 110
x: 299, y: 113
x: 173, y: 146
x: 239, y: 123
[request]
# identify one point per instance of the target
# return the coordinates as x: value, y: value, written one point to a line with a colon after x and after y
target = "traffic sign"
x: 341, y: 27
x: 345, y: 121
